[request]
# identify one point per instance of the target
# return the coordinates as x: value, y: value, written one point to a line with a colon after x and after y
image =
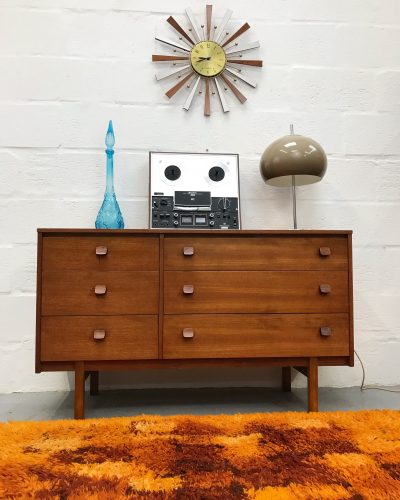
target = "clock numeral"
x: 202, y: 46
x: 208, y: 45
x: 197, y: 51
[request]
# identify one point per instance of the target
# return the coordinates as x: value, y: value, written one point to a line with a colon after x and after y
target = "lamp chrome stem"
x: 294, y: 189
x: 294, y: 201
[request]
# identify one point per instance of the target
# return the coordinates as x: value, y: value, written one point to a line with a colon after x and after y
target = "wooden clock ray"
x: 208, y: 53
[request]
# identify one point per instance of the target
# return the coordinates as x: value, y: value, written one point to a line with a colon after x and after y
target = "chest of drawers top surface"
x: 177, y: 232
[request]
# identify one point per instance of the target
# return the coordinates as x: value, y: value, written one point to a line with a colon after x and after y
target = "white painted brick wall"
x: 331, y: 68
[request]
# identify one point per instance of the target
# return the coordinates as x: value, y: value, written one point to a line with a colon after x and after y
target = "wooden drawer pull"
x: 188, y: 333
x: 188, y: 289
x: 325, y: 331
x: 101, y: 250
x: 100, y: 289
x: 188, y: 251
x: 325, y: 251
x: 99, y: 334
x: 325, y: 289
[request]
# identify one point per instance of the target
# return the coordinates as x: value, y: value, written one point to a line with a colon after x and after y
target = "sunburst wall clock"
x: 207, y: 59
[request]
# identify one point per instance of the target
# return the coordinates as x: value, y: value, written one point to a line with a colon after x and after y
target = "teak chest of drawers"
x: 126, y: 299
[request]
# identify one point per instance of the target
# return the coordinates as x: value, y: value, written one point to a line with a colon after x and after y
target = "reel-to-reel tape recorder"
x: 194, y: 191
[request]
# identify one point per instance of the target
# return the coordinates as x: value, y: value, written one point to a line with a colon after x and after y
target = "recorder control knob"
x: 175, y: 215
x: 224, y: 203
x: 212, y: 222
x: 176, y: 222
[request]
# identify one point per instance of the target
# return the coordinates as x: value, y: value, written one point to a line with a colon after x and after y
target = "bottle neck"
x: 110, y: 171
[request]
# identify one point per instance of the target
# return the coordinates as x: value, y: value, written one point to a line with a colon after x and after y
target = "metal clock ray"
x: 208, y: 53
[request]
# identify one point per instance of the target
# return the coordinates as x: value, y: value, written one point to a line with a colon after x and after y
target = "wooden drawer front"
x: 257, y: 253
x: 114, y: 253
x: 255, y: 292
x: 67, y: 338
x: 72, y: 292
x: 255, y: 335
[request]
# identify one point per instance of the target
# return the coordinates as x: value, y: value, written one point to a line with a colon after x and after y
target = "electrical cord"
x: 366, y: 387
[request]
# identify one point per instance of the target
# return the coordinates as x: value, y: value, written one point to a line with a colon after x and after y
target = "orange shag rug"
x: 354, y: 455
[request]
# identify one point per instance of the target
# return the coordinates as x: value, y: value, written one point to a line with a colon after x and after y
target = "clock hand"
x: 204, y: 58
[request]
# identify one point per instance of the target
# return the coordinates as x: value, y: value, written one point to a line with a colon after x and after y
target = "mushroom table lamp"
x: 293, y: 160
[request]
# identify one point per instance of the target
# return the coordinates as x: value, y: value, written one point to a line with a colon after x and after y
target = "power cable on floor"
x: 365, y: 387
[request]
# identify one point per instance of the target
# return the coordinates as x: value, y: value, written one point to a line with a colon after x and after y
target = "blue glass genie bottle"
x: 109, y: 216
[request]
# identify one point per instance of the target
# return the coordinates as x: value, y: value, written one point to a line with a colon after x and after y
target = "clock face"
x: 208, y: 59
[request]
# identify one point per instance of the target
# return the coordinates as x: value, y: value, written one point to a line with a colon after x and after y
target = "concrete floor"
x: 59, y: 405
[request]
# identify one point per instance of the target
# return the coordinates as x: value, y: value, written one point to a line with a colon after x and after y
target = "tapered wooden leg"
x: 286, y: 379
x: 313, y: 384
x: 94, y: 383
x: 79, y: 390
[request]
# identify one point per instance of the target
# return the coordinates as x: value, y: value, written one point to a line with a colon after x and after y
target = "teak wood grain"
x: 79, y: 253
x: 71, y: 292
x: 312, y: 376
x: 255, y: 292
x: 79, y: 396
x: 254, y: 298
x: 51, y: 231
x: 70, y: 338
x: 256, y: 253
x: 165, y: 364
x: 255, y: 335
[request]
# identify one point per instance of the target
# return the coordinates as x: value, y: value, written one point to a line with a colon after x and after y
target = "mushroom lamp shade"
x: 293, y: 160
